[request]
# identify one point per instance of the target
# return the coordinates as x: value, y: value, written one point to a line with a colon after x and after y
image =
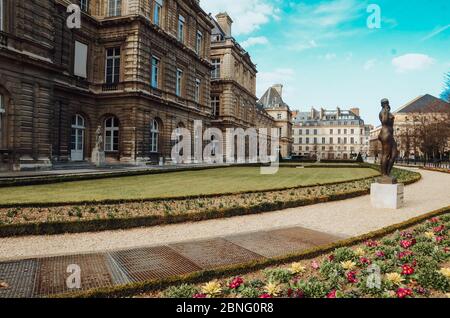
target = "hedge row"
x: 51, y: 228
x: 207, y: 275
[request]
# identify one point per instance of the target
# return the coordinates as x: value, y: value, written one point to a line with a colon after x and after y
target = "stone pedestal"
x: 387, y: 196
x: 98, y: 157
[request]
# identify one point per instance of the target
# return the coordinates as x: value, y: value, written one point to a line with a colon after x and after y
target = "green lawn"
x: 176, y: 184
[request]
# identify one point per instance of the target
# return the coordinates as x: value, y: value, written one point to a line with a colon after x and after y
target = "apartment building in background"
x: 330, y: 134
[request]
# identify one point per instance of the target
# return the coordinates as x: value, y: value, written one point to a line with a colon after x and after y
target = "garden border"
x: 53, y: 228
x: 207, y: 275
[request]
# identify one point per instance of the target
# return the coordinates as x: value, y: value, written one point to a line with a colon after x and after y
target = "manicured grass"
x: 179, y: 184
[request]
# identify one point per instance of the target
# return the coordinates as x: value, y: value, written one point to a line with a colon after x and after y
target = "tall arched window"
x: 154, y: 136
x: 2, y: 120
x: 111, y: 134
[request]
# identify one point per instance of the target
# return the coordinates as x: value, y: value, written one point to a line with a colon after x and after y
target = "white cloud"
x: 302, y: 46
x: 412, y: 62
x: 370, y: 64
x: 259, y: 40
x: 248, y: 15
x: 283, y: 76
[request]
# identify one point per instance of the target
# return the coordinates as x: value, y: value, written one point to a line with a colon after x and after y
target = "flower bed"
x: 406, y: 264
x: 84, y: 218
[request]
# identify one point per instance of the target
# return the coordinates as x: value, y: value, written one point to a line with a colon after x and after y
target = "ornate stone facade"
x: 233, y: 89
x: 136, y: 68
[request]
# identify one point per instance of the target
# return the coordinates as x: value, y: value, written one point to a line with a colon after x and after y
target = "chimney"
x: 225, y: 23
x: 279, y: 89
x: 355, y: 111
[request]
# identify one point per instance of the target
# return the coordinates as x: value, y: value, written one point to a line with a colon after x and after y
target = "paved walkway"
x: 155, y: 252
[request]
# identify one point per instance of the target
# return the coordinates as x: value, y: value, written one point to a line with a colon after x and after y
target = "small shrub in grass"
x: 344, y: 254
x: 431, y: 278
x: 182, y: 291
x: 278, y: 275
x: 313, y: 288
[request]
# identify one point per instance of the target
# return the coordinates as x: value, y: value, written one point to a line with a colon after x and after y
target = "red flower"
x: 371, y: 243
x: 439, y: 229
x: 446, y: 249
x: 199, y: 296
x: 407, y: 243
x: 236, y: 283
x: 380, y: 254
x: 365, y: 260
x: 331, y: 294
x: 331, y: 257
x: 265, y: 296
x: 406, y: 234
x: 404, y: 292
x: 407, y: 270
x: 439, y: 239
x: 351, y: 277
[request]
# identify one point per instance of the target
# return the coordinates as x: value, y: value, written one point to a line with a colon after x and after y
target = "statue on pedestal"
x: 389, y: 149
x: 98, y: 154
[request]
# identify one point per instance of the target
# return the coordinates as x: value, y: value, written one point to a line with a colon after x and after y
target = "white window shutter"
x: 80, y: 65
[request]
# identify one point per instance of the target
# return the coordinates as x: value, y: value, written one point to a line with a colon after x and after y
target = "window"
x: 155, y: 72
x: 352, y: 131
x: 112, y: 65
x: 352, y: 140
x: 154, y: 136
x: 331, y: 140
x: 179, y: 82
x: 315, y: 131
x: 300, y: 131
x: 215, y: 73
x: 215, y: 105
x: 279, y: 116
x: 84, y: 5
x: 331, y: 131
x: 197, y: 90
x: 307, y: 131
x: 181, y: 21
x: 115, y: 8
x: 2, y: 115
x: 80, y: 63
x: 199, y: 43
x: 157, y: 12
x: 2, y: 22
x: 307, y: 140
x: 300, y: 140
x: 323, y: 140
x: 111, y: 134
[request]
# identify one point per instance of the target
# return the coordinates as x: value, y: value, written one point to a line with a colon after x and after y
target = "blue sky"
x: 325, y: 55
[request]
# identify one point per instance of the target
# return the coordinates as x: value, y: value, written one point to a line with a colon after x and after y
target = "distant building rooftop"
x: 425, y: 104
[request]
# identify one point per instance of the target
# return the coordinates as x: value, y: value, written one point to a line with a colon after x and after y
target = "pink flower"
x: 439, y: 229
x: 434, y: 220
x: 365, y: 260
x: 199, y: 296
x: 265, y: 296
x: 446, y: 249
x: 404, y: 292
x: 351, y: 277
x: 236, y: 283
x: 406, y: 234
x: 407, y: 243
x: 380, y: 254
x: 407, y: 270
x: 439, y: 239
x: 315, y: 265
x: 295, y: 293
x: 371, y: 243
x: 331, y: 294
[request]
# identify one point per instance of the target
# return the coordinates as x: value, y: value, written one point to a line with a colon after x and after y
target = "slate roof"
x: 426, y: 103
x: 272, y: 99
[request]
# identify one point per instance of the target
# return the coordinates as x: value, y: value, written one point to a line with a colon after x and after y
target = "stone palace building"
x: 138, y: 69
x: 330, y: 134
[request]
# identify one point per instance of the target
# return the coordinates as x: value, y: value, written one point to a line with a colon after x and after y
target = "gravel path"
x: 342, y: 218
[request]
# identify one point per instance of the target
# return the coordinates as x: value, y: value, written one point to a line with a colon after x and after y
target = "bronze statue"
x: 389, y: 150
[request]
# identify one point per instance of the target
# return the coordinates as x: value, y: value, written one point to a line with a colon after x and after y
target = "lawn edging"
x: 207, y: 275
x: 97, y: 225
